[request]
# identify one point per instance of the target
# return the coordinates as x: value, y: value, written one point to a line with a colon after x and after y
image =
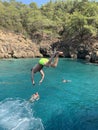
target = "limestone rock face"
x: 17, y: 46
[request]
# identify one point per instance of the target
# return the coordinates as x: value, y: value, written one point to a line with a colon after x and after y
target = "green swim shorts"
x: 43, y: 61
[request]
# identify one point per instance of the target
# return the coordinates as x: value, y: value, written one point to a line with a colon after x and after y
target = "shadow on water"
x: 81, y: 120
x: 86, y: 62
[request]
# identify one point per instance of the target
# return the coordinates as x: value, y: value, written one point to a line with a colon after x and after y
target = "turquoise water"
x: 62, y: 106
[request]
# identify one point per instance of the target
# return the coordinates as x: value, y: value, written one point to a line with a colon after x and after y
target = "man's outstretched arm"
x: 32, y: 78
x: 42, y: 76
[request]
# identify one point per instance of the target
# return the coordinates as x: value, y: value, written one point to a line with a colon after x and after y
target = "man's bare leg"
x: 56, y: 54
x: 56, y: 59
x: 54, y: 64
x: 51, y: 59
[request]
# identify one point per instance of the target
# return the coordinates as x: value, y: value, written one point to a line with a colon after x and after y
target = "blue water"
x: 62, y: 106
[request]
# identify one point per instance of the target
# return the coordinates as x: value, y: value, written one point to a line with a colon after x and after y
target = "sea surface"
x: 62, y: 106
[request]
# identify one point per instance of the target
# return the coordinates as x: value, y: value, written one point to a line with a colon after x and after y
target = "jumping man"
x: 52, y: 62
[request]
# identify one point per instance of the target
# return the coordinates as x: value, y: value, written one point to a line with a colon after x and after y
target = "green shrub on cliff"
x: 66, y: 19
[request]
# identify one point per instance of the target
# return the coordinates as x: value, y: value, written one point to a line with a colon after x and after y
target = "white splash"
x: 18, y: 115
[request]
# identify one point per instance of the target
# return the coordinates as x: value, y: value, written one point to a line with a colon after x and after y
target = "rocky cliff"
x: 87, y: 49
x: 18, y: 46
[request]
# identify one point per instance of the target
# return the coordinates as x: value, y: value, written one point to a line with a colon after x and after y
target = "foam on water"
x: 16, y: 114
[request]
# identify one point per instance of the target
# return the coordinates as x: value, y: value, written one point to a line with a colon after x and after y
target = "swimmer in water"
x: 66, y: 81
x: 34, y: 97
x: 45, y: 62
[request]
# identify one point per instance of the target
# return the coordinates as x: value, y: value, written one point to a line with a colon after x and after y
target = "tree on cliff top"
x: 66, y: 19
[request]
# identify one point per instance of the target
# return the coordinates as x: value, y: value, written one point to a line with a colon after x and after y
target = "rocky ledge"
x: 17, y: 46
